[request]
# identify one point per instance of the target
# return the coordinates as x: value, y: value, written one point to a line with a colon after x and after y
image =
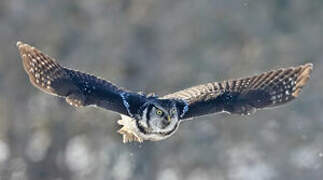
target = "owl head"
x: 159, y: 118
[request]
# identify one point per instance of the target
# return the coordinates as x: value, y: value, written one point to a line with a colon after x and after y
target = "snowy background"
x: 161, y: 46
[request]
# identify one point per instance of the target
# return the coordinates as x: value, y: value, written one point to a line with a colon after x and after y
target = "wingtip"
x: 303, y: 78
x: 23, y: 47
x: 308, y: 68
x: 19, y: 43
x: 309, y: 65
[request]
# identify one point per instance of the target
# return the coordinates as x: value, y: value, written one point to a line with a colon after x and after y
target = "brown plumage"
x: 78, y: 88
x: 140, y: 119
x: 41, y: 69
x: 245, y: 95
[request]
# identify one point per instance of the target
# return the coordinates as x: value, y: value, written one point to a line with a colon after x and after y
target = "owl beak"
x: 168, y: 118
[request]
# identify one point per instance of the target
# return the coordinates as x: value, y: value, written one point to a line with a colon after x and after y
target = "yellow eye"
x: 159, y: 112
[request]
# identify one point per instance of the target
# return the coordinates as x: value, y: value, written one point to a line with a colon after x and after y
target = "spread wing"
x: 79, y: 89
x: 245, y: 95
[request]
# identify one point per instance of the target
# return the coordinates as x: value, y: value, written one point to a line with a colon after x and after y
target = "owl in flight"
x: 148, y: 117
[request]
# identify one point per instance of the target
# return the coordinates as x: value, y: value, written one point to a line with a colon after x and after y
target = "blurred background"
x: 161, y: 46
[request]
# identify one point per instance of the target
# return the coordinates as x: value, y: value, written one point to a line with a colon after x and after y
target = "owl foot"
x: 128, y: 131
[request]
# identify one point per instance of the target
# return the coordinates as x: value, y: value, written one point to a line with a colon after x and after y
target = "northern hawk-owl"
x: 145, y: 117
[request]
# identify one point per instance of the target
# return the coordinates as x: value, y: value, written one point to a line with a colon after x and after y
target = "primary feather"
x: 245, y: 95
x: 78, y: 88
x: 138, y: 111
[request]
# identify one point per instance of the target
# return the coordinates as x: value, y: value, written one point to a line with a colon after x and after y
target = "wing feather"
x: 245, y: 95
x: 78, y: 88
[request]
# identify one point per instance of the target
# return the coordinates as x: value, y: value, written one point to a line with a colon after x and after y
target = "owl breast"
x: 131, y: 133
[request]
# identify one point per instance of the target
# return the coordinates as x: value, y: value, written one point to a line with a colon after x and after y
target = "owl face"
x: 159, y: 119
